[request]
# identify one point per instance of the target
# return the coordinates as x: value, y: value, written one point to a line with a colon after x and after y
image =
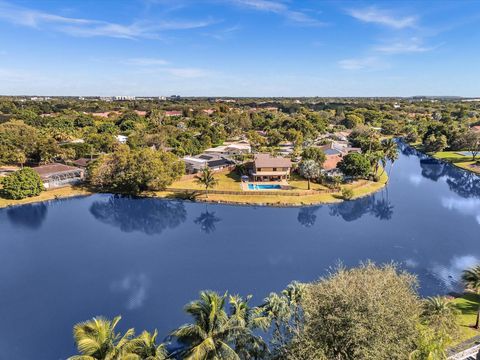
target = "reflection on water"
x: 307, y: 216
x: 149, y: 216
x: 28, y: 216
x: 207, y: 221
x: 95, y: 256
x: 450, y: 274
x: 135, y: 287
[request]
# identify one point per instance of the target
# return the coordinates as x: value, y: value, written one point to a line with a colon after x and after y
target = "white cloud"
x: 414, y: 45
x: 415, y: 179
x: 450, y: 275
x: 281, y: 9
x: 146, y: 61
x: 383, y: 17
x: 90, y: 28
x: 135, y: 286
x: 366, y: 63
x: 187, y: 72
x: 464, y: 206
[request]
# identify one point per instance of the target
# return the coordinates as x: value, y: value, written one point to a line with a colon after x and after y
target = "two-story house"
x: 269, y: 168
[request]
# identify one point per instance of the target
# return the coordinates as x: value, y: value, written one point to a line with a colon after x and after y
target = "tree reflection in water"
x: 307, y: 216
x: 28, y: 216
x: 207, y: 221
x: 150, y: 216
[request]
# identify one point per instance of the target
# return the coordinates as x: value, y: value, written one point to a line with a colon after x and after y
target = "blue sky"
x: 239, y: 47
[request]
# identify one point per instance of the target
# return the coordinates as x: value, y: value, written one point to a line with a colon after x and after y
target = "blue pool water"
x: 264, y: 187
x: 66, y: 261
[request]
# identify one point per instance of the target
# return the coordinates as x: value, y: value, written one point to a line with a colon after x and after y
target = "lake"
x: 66, y: 261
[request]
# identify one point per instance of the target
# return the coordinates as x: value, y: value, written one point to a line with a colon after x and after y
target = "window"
x: 274, y: 169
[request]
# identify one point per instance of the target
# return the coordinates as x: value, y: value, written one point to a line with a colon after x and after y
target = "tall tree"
x: 310, y: 170
x: 145, y: 347
x: 206, y: 179
x: 390, y: 150
x: 211, y: 335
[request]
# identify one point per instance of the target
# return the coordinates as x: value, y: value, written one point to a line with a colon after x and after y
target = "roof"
x: 476, y: 128
x: 266, y: 160
x: 331, y: 162
x: 82, y: 162
x: 46, y: 171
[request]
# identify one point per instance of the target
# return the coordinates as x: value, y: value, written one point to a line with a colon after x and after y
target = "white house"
x: 122, y: 139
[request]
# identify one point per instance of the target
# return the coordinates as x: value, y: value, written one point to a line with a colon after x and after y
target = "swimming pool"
x: 264, y: 187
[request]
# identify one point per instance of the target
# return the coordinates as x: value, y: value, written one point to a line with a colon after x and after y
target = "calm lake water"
x: 66, y: 261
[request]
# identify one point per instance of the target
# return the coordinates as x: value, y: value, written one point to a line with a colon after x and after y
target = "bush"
x: 355, y: 165
x: 22, y: 184
x: 347, y: 193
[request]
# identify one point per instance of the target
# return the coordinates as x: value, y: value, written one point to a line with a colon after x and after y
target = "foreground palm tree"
x: 211, y: 335
x: 206, y: 179
x: 145, y: 347
x: 96, y: 339
x: 471, y: 280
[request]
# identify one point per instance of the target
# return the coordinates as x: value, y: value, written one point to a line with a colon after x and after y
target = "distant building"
x: 58, y: 175
x: 269, y: 168
x: 123, y: 98
x: 172, y: 113
x: 122, y: 139
x: 475, y: 128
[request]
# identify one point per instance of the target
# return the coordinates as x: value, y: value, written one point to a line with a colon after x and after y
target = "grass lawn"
x: 231, y: 181
x: 64, y: 192
x: 467, y: 305
x: 456, y: 159
x: 226, y: 181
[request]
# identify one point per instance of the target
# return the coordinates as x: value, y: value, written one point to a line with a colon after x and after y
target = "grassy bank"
x: 231, y: 182
x: 467, y: 305
x: 64, y: 192
x: 462, y: 161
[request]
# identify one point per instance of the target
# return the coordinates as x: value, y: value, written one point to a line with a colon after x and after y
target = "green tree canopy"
x: 22, y: 184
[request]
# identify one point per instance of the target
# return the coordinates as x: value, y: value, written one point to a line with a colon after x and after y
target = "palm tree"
x: 471, y: 280
x: 96, y: 339
x: 440, y: 313
x: 390, y: 149
x: 206, y: 179
x: 211, y: 335
x: 144, y: 347
x: 248, y: 345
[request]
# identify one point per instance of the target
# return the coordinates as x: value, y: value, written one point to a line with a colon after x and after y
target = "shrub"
x: 347, y: 193
x: 22, y: 184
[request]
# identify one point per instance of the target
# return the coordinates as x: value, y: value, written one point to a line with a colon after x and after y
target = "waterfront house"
x: 195, y: 164
x: 59, y: 175
x: 173, y: 113
x: 270, y: 168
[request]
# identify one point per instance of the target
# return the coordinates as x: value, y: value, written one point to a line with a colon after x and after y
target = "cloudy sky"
x: 239, y: 47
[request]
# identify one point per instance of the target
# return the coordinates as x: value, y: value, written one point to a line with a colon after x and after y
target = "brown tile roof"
x: 266, y: 160
x: 331, y: 162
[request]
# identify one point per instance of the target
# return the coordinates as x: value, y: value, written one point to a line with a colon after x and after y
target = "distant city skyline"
x: 257, y: 48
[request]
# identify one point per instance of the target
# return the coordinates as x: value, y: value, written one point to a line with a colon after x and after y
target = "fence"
x: 254, y: 192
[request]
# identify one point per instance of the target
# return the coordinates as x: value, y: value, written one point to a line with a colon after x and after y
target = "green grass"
x: 231, y: 182
x: 467, y: 304
x: 226, y: 181
x: 456, y: 159
x: 63, y: 192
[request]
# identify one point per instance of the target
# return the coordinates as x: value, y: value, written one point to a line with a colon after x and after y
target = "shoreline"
x: 240, y: 199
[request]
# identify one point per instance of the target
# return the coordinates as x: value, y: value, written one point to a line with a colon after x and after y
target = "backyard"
x: 458, y: 159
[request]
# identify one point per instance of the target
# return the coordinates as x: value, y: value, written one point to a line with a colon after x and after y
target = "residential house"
x: 59, y: 175
x: 195, y: 164
x: 231, y: 148
x: 270, y: 168
x: 122, y: 139
x: 173, y: 113
x: 475, y: 128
